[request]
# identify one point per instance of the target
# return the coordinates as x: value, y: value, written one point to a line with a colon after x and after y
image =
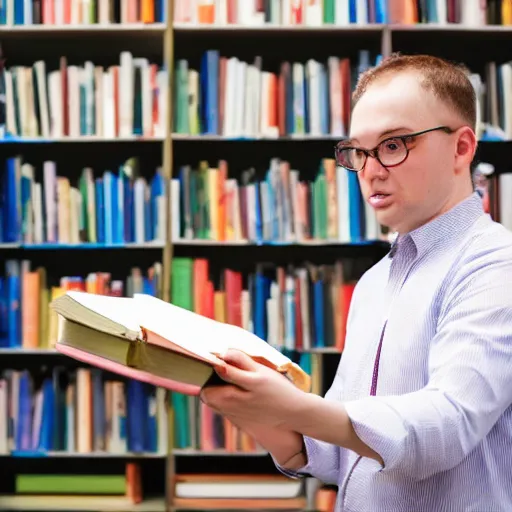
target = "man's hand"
x: 261, y: 396
x: 257, y: 395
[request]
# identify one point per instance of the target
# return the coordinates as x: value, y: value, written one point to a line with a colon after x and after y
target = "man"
x: 419, y: 417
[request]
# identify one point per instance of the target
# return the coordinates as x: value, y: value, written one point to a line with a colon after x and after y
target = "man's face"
x: 412, y: 193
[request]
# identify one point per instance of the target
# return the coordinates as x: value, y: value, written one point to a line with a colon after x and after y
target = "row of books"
x: 284, y: 206
x: 226, y: 96
x: 80, y: 411
x: 43, y: 206
x: 88, y: 411
x: 56, y: 100
x: 85, y: 12
x: 279, y: 205
x: 295, y: 309
x: 341, y: 12
x: 238, y: 99
x: 107, y: 207
x: 27, y: 322
x: 494, y: 96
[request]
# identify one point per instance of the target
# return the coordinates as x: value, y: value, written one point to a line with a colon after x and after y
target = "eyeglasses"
x: 390, y: 152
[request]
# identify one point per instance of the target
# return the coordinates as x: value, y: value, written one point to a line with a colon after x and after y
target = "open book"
x: 148, y: 339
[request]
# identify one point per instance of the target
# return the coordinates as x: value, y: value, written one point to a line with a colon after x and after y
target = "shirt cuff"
x: 307, y: 469
x: 380, y: 427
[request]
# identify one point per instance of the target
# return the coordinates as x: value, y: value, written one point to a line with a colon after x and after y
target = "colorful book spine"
x: 80, y: 411
x: 27, y: 323
x: 318, y: 13
x: 42, y: 206
x: 281, y: 208
x: 86, y: 12
x: 61, y: 100
x: 233, y: 98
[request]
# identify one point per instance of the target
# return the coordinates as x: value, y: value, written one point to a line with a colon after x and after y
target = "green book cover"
x: 70, y: 484
x: 181, y: 283
x: 329, y: 11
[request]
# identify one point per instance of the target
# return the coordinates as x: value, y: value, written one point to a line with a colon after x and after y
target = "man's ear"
x: 465, y: 149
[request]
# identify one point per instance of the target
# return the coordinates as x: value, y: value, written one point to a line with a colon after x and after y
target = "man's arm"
x: 285, y: 446
x: 293, y: 454
x: 434, y: 429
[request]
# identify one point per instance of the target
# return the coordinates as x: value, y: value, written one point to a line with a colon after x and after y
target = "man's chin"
x: 386, y: 219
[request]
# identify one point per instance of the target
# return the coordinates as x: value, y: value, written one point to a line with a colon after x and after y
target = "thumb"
x: 238, y: 369
x: 239, y: 359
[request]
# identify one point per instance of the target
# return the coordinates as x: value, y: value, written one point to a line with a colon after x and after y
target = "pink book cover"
x: 126, y: 371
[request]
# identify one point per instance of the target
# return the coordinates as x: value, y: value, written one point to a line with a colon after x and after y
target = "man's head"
x: 425, y: 175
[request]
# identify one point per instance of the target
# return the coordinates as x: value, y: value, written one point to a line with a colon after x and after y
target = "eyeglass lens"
x: 390, y: 152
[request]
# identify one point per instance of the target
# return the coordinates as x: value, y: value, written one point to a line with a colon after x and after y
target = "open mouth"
x: 379, y: 200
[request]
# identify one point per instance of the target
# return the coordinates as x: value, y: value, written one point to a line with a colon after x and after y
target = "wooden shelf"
x: 79, y: 140
x: 79, y: 503
x: 337, y: 29
x: 91, y: 455
x: 215, y: 453
x: 52, y: 31
x: 238, y: 504
x: 80, y: 246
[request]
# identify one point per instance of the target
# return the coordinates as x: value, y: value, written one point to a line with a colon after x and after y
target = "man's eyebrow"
x: 389, y: 131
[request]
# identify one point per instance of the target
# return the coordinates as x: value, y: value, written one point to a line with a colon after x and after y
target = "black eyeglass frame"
x: 375, y: 151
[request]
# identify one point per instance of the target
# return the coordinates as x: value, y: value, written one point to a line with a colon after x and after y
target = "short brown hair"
x: 447, y: 80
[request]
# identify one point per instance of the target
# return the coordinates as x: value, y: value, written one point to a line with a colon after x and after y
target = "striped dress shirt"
x: 426, y: 374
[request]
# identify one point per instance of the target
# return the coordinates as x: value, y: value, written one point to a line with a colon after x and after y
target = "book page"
x: 200, y: 334
x: 121, y: 310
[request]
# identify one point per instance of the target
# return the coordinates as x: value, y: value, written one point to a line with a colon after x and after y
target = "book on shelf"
x: 318, y: 13
x: 285, y: 205
x: 88, y: 12
x: 41, y: 205
x: 279, y: 12
x: 82, y: 411
x: 27, y: 322
x: 295, y: 308
x: 230, y: 97
x: 54, y: 99
x: 147, y: 339
x: 110, y: 488
x: 203, y: 486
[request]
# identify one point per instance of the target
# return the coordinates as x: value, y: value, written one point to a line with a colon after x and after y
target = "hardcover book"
x: 148, y: 339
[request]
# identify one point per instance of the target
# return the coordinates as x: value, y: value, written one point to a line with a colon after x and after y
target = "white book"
x: 42, y: 96
x: 56, y: 113
x: 343, y: 204
x: 126, y: 94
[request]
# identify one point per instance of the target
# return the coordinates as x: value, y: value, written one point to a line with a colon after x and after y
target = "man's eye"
x: 391, y: 146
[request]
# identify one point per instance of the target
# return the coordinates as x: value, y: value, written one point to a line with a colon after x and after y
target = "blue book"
x: 100, y: 211
x: 47, y: 419
x: 23, y: 440
x: 318, y: 294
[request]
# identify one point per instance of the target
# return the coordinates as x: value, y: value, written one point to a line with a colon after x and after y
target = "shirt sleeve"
x: 322, y: 462
x: 470, y: 385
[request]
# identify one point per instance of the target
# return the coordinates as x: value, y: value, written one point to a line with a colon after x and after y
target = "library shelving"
x: 199, y: 136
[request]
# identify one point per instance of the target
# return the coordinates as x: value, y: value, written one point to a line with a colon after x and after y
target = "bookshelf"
x: 252, y: 249
x: 77, y: 128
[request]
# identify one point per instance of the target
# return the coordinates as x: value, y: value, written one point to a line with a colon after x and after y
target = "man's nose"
x: 373, y: 169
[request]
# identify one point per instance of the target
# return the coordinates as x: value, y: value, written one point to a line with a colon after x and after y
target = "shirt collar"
x: 448, y: 227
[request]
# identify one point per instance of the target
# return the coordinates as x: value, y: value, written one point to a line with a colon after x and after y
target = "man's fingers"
x: 241, y: 378
x: 239, y: 359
